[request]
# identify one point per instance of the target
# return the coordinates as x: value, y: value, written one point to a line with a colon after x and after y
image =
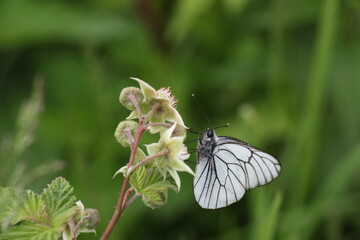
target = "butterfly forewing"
x: 233, y: 167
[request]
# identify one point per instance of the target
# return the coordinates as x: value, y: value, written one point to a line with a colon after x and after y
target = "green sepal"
x: 151, y: 185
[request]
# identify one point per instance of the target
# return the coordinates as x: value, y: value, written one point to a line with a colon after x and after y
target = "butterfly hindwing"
x: 232, y: 168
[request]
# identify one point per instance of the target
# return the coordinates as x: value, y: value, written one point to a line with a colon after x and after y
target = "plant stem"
x: 132, y: 199
x: 124, y: 195
x: 127, y: 195
x: 137, y: 107
x: 119, y: 206
x: 145, y: 160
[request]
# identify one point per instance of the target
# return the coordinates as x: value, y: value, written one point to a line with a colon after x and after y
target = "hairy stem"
x: 132, y: 199
x: 145, y: 160
x: 136, y: 104
x: 119, y: 206
x: 127, y: 195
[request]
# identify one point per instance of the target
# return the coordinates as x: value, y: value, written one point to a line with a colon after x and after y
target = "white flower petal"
x: 167, y: 134
x: 81, y: 207
x: 153, y: 148
x: 182, y: 167
x: 176, y: 177
x: 183, y: 155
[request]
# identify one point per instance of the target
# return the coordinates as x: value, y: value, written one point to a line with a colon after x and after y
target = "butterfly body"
x: 206, y: 144
x: 227, y: 168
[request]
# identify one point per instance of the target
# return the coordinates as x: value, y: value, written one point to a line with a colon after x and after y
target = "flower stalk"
x: 156, y: 113
x: 145, y: 160
x: 122, y: 200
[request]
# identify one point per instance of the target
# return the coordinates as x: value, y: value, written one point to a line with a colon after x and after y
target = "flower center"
x: 166, y: 92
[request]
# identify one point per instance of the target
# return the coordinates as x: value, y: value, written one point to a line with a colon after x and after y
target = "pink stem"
x: 145, y: 160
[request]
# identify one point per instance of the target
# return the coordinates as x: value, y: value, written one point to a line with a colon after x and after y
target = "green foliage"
x: 284, y: 74
x: 152, y: 186
x: 32, y: 231
x: 27, y: 215
x: 31, y: 208
x: 60, y: 202
x: 10, y: 201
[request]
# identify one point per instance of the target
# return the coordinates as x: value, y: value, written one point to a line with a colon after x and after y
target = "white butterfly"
x: 227, y: 168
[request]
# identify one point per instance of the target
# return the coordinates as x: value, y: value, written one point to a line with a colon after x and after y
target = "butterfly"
x: 227, y: 168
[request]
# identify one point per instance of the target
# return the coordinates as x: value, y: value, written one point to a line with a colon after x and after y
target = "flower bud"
x: 125, y: 97
x: 125, y: 132
x: 91, y: 218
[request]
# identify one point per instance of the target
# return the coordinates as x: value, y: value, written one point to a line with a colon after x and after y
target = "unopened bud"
x: 125, y: 132
x: 129, y: 94
x: 91, y: 218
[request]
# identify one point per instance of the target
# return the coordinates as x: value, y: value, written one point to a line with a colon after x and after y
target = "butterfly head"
x: 209, y: 133
x: 207, y: 136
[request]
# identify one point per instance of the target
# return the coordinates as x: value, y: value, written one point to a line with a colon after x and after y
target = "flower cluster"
x: 153, y: 111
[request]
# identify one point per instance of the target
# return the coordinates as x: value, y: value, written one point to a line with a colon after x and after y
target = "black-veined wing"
x: 233, y: 168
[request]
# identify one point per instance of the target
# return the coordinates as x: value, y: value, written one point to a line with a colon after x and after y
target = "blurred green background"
x: 284, y: 74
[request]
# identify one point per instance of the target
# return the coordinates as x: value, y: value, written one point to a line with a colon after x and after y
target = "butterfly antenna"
x: 191, y: 130
x: 226, y: 125
x: 202, y: 110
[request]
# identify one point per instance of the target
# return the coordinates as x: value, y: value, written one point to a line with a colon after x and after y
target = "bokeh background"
x: 284, y: 74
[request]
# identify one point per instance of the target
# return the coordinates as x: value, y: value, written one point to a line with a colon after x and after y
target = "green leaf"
x: 60, y: 201
x: 10, y: 200
x: 155, y: 195
x: 31, y: 231
x: 32, y: 209
x: 151, y: 185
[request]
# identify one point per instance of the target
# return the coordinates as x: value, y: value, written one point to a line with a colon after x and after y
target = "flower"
x: 173, y: 161
x: 162, y: 102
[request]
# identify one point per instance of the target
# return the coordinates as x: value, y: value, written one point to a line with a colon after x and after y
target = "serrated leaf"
x: 10, y: 200
x: 152, y: 186
x: 155, y: 195
x: 32, y: 209
x: 60, y: 201
x: 31, y: 231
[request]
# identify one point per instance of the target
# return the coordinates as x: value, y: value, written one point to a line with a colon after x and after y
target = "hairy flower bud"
x: 91, y: 218
x: 125, y: 132
x: 126, y: 95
